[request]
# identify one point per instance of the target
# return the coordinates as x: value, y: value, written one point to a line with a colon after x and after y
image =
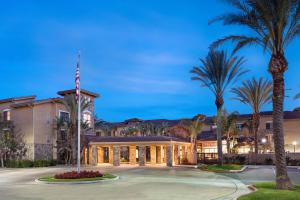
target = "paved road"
x: 256, y: 174
x: 134, y: 184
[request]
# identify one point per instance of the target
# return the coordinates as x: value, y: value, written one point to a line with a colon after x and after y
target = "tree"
x: 104, y: 126
x: 194, y: 127
x: 217, y: 73
x: 229, y: 129
x: 273, y: 25
x: 71, y: 105
x: 12, y: 146
x: 254, y: 93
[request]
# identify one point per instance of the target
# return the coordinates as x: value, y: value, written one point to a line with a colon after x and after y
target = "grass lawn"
x: 51, y: 179
x: 223, y: 168
x: 268, y: 191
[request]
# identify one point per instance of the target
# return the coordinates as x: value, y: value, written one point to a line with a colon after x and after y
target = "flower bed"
x: 75, y: 175
x: 82, y: 177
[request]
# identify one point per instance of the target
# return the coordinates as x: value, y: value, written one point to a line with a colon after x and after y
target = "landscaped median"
x: 268, y: 191
x: 226, y: 168
x: 74, y: 177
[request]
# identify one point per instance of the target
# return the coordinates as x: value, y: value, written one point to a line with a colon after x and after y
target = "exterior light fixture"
x: 264, y: 140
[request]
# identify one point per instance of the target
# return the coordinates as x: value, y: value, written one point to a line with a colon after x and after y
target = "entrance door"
x: 106, y: 155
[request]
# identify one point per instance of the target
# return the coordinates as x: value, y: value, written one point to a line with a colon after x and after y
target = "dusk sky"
x: 136, y: 54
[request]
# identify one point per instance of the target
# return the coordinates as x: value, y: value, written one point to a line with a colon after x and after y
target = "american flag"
x: 77, y: 78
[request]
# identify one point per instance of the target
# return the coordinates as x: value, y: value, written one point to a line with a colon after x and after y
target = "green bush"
x: 29, y: 163
x: 269, y: 161
x: 25, y: 163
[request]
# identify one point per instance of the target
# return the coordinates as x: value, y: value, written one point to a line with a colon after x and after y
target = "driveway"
x: 156, y: 183
x: 254, y: 174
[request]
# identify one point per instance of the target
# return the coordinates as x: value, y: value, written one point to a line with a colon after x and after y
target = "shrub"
x: 269, y: 161
x: 75, y: 175
x: 29, y: 163
x: 240, y: 160
x: 25, y: 163
x: 41, y: 163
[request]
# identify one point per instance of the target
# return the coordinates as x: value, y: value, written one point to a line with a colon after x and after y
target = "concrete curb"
x: 238, y: 171
x: 76, y: 182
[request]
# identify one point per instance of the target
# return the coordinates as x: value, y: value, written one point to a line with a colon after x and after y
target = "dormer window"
x: 6, y: 115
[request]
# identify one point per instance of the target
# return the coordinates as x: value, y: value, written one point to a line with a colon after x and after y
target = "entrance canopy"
x: 137, y: 149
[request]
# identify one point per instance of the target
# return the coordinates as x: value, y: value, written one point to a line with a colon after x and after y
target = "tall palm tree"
x: 255, y: 93
x: 194, y: 127
x: 273, y: 25
x: 229, y: 129
x: 217, y: 73
x: 71, y: 105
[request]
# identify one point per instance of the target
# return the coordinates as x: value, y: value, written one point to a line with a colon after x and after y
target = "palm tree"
x: 273, y: 25
x: 194, y: 127
x: 217, y: 73
x: 229, y: 128
x: 255, y: 93
x: 71, y: 104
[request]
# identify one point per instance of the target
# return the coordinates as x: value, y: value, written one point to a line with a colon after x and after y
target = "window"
x: 239, y: 126
x: 87, y: 118
x: 269, y: 125
x: 64, y: 116
x: 6, y: 115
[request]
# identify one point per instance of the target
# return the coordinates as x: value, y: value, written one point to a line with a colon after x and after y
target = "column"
x: 132, y: 154
x: 184, y: 156
x: 176, y: 160
x: 142, y: 155
x: 100, y: 155
x: 169, y: 155
x: 159, y: 154
x: 94, y: 155
x: 111, y: 155
x: 153, y: 154
x: 116, y: 155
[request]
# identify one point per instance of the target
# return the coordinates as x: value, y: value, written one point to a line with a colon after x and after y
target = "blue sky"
x: 136, y: 54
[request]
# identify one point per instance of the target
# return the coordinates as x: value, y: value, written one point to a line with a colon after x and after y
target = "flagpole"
x: 79, y: 120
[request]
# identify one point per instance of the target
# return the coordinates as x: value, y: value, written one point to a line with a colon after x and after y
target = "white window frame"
x: 7, y: 110
x: 60, y: 111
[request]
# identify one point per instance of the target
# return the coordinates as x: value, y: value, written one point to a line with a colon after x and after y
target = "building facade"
x: 36, y: 120
x: 133, y: 141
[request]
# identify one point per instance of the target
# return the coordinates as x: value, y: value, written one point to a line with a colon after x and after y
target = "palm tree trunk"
x: 255, y: 131
x: 219, y: 137
x: 195, y: 160
x: 228, y: 145
x: 219, y: 103
x: 277, y: 67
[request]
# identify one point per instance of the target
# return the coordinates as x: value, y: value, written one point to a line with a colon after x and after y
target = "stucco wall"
x: 23, y: 121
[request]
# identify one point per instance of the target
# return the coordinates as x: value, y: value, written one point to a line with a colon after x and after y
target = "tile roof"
x: 37, y: 102
x: 13, y: 99
x: 108, y: 139
x: 72, y: 91
x: 207, y: 136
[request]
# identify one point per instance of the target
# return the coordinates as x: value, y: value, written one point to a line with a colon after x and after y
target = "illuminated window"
x: 6, y: 115
x: 87, y: 118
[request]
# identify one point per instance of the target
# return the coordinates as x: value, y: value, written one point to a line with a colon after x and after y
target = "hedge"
x: 29, y: 163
